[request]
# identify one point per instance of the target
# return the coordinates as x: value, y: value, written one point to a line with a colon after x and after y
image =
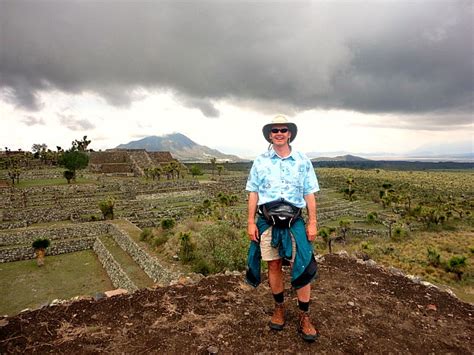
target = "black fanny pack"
x: 280, y: 213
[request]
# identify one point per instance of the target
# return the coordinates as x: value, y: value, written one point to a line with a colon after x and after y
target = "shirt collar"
x: 274, y: 154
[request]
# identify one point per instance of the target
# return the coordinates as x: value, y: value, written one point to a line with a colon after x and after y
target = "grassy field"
x: 411, y: 255
x: 25, y: 285
x: 53, y: 182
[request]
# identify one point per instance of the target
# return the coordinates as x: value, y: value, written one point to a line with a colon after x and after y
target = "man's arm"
x: 252, y: 230
x: 312, y: 224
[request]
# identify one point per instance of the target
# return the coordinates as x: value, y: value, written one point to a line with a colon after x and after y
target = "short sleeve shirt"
x: 290, y: 178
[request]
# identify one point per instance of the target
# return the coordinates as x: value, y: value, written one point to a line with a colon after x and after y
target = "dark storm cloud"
x: 393, y: 57
x: 74, y: 123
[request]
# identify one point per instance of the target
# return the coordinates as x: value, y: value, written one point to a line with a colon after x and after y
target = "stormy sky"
x: 401, y: 65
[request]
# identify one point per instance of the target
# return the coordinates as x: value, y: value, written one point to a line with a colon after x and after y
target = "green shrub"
x: 186, y: 251
x: 107, y: 207
x: 168, y: 223
x: 159, y: 240
x: 223, y: 247
x: 399, y: 233
x: 201, y: 266
x: 456, y: 265
x: 434, y: 258
x: 146, y: 234
x: 371, y: 217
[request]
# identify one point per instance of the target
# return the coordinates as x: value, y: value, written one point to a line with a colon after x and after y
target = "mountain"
x: 180, y: 147
x: 346, y: 157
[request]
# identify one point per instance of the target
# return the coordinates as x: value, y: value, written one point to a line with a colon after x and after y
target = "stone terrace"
x: 134, y: 199
x: 126, y: 161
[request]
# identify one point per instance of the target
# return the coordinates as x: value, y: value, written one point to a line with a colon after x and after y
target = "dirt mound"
x: 357, y: 308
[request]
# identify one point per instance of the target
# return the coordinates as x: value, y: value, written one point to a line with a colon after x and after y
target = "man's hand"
x: 252, y: 232
x: 311, y: 231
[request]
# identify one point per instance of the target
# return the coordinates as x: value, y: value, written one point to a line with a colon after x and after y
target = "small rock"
x: 374, y: 283
x: 415, y: 279
x: 431, y: 307
x: 319, y: 258
x: 228, y: 273
x: 448, y: 290
x: 213, y: 350
x: 183, y: 280
x: 352, y: 304
x: 118, y: 291
x: 3, y: 322
x: 99, y: 296
x: 25, y: 310
x: 246, y: 313
x: 395, y: 271
x: 343, y: 254
x: 55, y: 302
x: 370, y: 262
x: 450, y: 315
x: 175, y: 257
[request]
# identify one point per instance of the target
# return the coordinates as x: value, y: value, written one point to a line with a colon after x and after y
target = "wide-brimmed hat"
x: 279, y: 120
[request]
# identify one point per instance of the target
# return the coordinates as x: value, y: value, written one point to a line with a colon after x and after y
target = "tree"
x: 174, y: 168
x: 213, y: 165
x: 349, y: 191
x: 81, y: 145
x: 196, y: 170
x: 220, y: 169
x: 74, y: 160
x: 69, y: 175
x: 14, y: 174
x: 40, y: 245
x: 344, y: 228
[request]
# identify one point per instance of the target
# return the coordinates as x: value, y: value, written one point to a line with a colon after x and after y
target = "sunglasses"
x: 282, y: 130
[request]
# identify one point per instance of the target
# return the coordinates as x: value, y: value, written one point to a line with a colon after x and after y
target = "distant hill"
x: 181, y: 147
x: 346, y: 157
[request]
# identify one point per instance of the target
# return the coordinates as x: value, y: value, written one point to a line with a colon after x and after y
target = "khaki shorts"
x: 268, y: 252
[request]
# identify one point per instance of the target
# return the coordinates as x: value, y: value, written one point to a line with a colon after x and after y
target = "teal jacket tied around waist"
x: 304, y: 267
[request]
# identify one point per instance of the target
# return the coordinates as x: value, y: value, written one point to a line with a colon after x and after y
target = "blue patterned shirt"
x: 291, y: 178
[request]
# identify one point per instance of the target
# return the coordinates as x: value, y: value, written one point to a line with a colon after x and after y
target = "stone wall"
x: 149, y: 264
x: 25, y: 252
x: 116, y: 274
x: 28, y: 236
x: 116, y: 168
x: 108, y: 157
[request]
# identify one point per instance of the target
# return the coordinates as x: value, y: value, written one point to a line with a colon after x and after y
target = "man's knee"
x: 274, y: 266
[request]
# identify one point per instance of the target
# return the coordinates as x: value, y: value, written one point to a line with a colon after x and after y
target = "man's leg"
x: 275, y: 276
x: 308, y: 331
x: 275, y: 279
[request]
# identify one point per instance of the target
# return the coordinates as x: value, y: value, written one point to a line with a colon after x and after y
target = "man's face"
x: 279, y: 135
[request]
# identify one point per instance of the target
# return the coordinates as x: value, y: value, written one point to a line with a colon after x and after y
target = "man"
x: 282, y: 182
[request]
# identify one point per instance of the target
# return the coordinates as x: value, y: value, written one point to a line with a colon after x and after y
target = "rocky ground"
x: 357, y: 308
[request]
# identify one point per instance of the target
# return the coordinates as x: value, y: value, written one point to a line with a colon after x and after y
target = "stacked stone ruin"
x: 128, y: 162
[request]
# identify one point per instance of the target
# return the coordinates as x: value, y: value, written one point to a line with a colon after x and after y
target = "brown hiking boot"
x: 307, y: 330
x: 278, y: 318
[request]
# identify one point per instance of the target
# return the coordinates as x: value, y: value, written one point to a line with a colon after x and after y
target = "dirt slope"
x: 358, y: 309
